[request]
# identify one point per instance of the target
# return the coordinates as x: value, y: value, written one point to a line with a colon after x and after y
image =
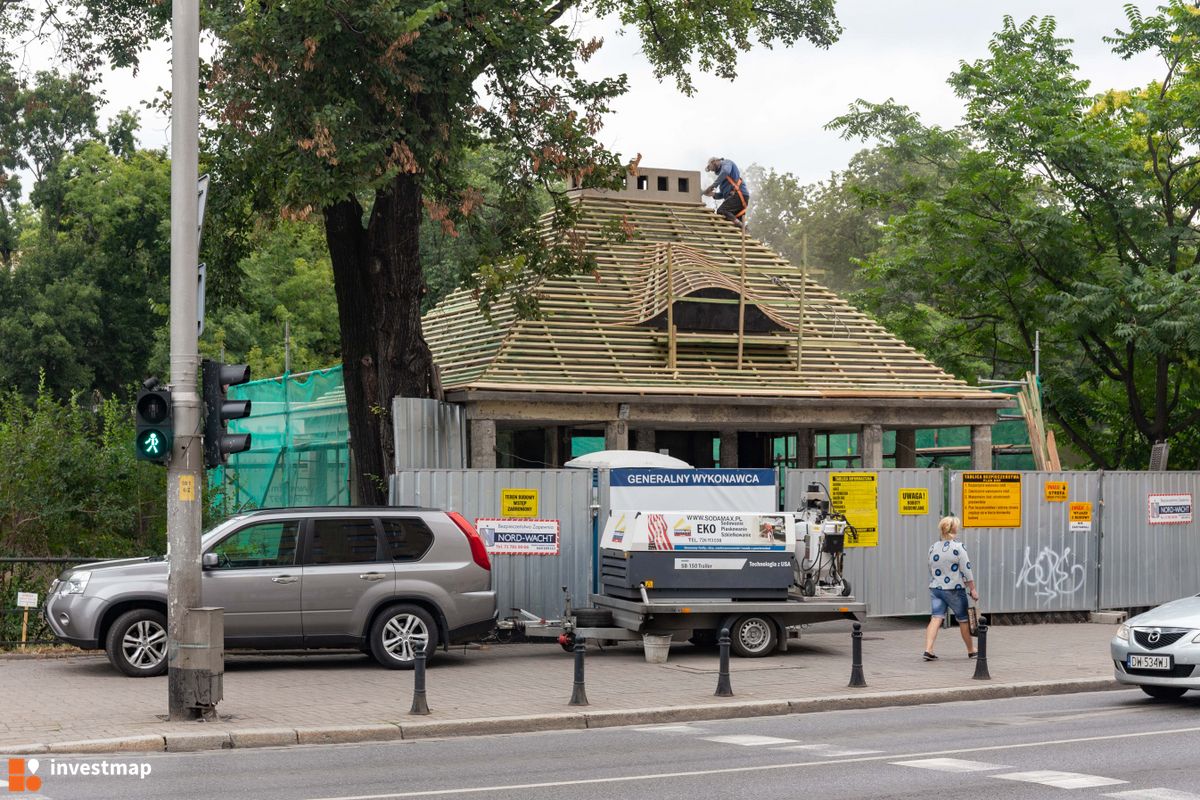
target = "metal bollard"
x: 981, y: 667
x: 419, y: 705
x: 724, y: 688
x: 578, y: 694
x: 856, y: 668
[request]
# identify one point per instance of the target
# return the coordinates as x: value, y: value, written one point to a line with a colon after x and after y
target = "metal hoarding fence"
x: 531, y: 582
x: 891, y: 577
x: 1026, y: 553
x: 429, y: 434
x: 1147, y: 563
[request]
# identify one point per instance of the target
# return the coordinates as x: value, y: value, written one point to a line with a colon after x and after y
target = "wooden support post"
x: 670, y: 309
x: 803, y: 287
x: 24, y: 627
x: 742, y: 300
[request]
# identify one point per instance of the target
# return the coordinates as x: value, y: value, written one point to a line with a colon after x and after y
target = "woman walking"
x: 950, y: 579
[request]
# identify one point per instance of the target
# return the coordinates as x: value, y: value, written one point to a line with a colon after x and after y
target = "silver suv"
x: 383, y: 580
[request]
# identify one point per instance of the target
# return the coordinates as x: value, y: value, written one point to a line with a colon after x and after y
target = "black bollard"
x: 724, y: 688
x: 578, y: 694
x: 856, y: 670
x: 981, y: 667
x: 419, y: 705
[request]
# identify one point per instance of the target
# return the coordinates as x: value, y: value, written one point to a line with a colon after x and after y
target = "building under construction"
x: 691, y: 338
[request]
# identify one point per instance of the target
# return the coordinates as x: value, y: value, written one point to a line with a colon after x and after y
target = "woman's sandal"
x: 972, y: 654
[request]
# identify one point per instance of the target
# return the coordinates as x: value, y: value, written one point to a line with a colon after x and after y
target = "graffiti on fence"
x: 1051, y: 574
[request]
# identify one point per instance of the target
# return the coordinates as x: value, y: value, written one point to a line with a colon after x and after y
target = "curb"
x: 174, y: 742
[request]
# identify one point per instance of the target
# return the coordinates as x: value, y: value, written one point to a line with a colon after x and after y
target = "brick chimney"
x: 652, y: 183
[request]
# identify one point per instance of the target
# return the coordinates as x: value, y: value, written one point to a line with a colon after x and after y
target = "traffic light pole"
x: 185, y: 472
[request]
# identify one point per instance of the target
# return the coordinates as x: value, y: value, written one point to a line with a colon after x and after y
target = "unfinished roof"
x: 659, y: 316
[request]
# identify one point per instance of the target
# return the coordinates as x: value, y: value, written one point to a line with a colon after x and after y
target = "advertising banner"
x: 690, y: 530
x: 855, y: 495
x: 519, y: 537
x: 696, y: 489
x: 1170, y: 509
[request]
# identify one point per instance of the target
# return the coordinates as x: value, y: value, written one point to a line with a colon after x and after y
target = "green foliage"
x: 1054, y: 209
x: 71, y: 484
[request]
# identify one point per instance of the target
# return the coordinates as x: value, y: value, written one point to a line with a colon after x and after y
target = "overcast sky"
x: 774, y: 113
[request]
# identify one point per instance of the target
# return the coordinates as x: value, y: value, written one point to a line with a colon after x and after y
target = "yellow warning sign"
x: 1080, y: 512
x: 991, y: 499
x: 914, y: 501
x: 187, y: 488
x: 519, y: 503
x: 856, y: 495
x: 1055, y: 491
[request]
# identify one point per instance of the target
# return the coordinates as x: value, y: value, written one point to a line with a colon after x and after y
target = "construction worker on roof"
x: 730, y: 189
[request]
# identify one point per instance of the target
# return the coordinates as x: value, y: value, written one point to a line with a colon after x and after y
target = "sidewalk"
x: 67, y: 704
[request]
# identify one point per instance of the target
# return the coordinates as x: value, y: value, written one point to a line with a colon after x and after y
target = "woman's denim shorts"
x: 955, y: 599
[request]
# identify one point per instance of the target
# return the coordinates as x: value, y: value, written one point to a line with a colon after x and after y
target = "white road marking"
x: 747, y: 740
x: 1155, y: 794
x: 671, y: 729
x: 659, y: 776
x: 827, y: 750
x: 1059, y: 780
x: 950, y: 765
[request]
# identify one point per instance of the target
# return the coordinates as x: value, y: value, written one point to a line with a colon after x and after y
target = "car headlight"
x: 1123, y: 633
x: 75, y: 583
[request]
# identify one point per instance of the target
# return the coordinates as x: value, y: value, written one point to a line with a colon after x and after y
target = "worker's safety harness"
x: 737, y: 187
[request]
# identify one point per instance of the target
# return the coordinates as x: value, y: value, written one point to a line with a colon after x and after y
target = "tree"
x: 1068, y: 212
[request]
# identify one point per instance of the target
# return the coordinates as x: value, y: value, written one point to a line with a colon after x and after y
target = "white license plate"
x: 1149, y: 662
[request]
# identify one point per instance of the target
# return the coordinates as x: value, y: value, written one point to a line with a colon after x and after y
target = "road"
x: 1106, y: 744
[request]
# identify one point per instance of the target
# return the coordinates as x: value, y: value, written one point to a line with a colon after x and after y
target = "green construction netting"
x: 300, y: 445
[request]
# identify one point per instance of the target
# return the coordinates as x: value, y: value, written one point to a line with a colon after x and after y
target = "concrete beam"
x: 981, y: 447
x: 483, y: 444
x: 870, y: 446
x: 729, y: 448
x: 906, y: 447
x: 616, y: 435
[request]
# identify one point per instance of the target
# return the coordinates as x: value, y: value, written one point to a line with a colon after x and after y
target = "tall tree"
x: 1069, y: 212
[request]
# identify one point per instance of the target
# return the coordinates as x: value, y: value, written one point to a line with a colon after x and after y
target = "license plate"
x: 1149, y: 662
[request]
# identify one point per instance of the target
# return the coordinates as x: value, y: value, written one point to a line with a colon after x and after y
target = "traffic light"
x: 218, y: 410
x: 154, y: 425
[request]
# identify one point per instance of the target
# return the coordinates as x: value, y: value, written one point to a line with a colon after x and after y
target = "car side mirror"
x: 208, y: 560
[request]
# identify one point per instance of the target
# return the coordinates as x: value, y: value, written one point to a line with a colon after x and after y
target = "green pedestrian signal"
x: 155, y: 425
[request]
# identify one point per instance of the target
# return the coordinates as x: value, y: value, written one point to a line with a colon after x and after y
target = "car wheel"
x: 753, y: 636
x: 1164, y: 692
x: 136, y: 643
x: 399, y: 632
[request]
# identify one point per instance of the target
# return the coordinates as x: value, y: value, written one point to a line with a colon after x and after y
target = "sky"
x: 775, y: 112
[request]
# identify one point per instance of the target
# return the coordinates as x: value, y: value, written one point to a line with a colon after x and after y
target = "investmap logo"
x: 22, y: 775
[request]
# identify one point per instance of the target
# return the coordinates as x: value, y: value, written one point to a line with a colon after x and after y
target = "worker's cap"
x: 714, y: 160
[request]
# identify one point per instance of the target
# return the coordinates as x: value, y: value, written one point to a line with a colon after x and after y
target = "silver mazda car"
x: 1159, y: 651
x: 387, y: 581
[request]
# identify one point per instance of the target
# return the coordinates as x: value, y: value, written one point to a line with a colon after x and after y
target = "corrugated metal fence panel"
x: 892, y: 577
x: 1043, y: 565
x: 429, y: 434
x: 530, y: 582
x: 1146, y: 564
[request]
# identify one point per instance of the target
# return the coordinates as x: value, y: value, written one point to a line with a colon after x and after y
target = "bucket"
x: 656, y: 648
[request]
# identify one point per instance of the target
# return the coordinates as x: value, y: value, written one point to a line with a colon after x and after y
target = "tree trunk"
x: 379, y: 284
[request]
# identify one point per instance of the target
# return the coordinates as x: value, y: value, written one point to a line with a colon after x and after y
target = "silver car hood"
x: 122, y: 567
x: 1182, y: 613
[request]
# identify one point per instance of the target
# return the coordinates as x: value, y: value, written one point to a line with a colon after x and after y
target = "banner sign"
x: 913, y: 501
x: 1170, y: 509
x: 1080, y: 517
x: 855, y: 495
x: 519, y: 537
x: 691, y: 530
x: 695, y: 489
x: 521, y: 503
x: 991, y: 499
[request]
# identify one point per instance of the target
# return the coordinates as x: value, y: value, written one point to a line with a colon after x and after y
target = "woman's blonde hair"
x: 949, y: 525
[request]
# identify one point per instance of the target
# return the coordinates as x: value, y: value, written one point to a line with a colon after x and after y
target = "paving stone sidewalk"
x: 49, y: 700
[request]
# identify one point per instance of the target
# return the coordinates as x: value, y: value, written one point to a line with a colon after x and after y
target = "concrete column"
x: 906, y: 447
x: 483, y: 444
x: 616, y: 435
x: 870, y: 446
x: 729, y: 449
x: 645, y: 439
x: 804, y: 448
x: 981, y: 447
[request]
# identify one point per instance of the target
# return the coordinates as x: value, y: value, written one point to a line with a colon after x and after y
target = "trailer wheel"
x: 753, y: 636
x: 593, y: 618
x: 846, y: 588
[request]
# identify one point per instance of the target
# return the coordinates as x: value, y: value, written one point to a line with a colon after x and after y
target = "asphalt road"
x: 1106, y: 744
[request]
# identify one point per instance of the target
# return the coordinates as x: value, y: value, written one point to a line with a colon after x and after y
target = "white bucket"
x: 656, y: 648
